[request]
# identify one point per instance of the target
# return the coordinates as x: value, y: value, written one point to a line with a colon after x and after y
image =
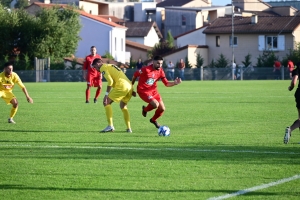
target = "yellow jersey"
x: 113, y: 75
x: 8, y: 83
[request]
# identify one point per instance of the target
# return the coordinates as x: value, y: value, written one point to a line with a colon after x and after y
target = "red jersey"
x: 290, y: 65
x: 148, y: 76
x: 277, y: 64
x: 87, y: 65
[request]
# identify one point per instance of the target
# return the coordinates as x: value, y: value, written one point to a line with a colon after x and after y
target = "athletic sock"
x: 109, y: 114
x: 148, y: 108
x: 13, y: 112
x: 87, y: 94
x: 98, y: 93
x: 126, y: 117
x: 158, y: 113
x: 295, y: 125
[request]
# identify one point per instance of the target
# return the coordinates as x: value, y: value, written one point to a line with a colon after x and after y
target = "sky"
x: 221, y: 2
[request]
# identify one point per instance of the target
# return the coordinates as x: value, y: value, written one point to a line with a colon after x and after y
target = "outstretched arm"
x: 293, y: 83
x: 29, y: 99
x: 173, y: 83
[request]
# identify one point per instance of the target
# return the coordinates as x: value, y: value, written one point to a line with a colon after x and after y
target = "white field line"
x: 149, y: 149
x: 260, y: 187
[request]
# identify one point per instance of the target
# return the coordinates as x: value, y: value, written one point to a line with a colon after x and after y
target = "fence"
x: 190, y: 74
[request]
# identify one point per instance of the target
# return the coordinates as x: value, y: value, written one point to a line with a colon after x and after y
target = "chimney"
x: 254, y: 19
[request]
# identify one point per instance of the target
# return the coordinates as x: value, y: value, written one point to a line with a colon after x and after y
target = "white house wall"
x: 152, y: 38
x: 195, y: 38
x: 97, y: 34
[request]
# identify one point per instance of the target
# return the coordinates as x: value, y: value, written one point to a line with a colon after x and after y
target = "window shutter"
x: 261, y: 42
x: 281, y: 43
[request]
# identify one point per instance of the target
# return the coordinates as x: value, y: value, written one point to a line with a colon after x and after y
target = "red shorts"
x: 94, y: 81
x: 149, y: 96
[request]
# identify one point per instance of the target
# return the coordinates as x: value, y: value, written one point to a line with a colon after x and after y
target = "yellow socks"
x: 13, y: 112
x: 109, y: 114
x: 126, y: 117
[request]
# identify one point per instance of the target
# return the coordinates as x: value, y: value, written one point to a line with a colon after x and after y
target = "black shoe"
x: 95, y: 100
x: 156, y: 124
x: 144, y: 113
x: 87, y: 101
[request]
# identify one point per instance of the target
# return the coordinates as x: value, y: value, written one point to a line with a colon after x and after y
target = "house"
x: 252, y: 35
x: 137, y: 50
x: 194, y: 37
x: 106, y: 35
x: 179, y: 20
x: 146, y: 33
x: 184, y: 3
x: 190, y: 52
x: 121, y: 10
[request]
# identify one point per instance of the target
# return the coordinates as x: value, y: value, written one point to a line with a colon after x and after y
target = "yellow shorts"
x: 121, y: 92
x: 7, y: 96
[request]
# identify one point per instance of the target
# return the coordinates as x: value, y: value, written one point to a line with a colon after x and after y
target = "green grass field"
x: 226, y: 136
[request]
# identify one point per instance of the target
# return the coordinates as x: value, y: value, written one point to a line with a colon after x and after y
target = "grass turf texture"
x: 225, y: 136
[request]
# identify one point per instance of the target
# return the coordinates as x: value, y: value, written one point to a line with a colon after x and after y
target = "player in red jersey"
x: 147, y: 88
x: 91, y: 75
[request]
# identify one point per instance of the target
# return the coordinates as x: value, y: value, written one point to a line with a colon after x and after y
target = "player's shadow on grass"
x: 22, y: 187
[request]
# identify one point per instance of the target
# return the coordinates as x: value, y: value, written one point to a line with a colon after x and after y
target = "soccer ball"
x: 164, y: 131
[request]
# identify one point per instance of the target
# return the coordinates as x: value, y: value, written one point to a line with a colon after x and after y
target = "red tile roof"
x: 176, y: 2
x: 243, y: 25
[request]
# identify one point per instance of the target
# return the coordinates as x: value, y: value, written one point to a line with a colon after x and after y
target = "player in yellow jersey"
x: 8, y: 79
x: 119, y: 89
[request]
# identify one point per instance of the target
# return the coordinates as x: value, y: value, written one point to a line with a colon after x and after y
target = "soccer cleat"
x: 144, y: 113
x: 287, y: 135
x: 129, y: 130
x: 156, y: 124
x: 108, y: 129
x: 87, y: 101
x: 95, y: 100
x: 10, y: 120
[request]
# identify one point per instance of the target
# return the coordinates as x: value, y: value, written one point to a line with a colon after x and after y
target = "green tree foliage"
x: 52, y: 33
x: 21, y: 3
x: 200, y: 60
x: 293, y: 55
x: 170, y: 39
x: 221, y: 62
x: 160, y: 48
x: 247, y: 62
x: 211, y: 64
x: 187, y: 63
x: 5, y: 3
x: 266, y: 59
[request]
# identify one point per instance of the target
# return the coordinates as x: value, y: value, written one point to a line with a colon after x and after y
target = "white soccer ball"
x: 164, y: 131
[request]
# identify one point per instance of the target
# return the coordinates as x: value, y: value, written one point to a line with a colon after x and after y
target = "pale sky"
x: 220, y: 2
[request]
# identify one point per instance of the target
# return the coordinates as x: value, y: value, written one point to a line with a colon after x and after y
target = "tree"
x: 21, y: 3
x: 266, y: 59
x: 247, y: 61
x: 187, y: 63
x: 222, y: 62
x: 200, y: 60
x: 170, y: 39
x: 51, y: 33
x: 5, y: 3
x: 160, y: 48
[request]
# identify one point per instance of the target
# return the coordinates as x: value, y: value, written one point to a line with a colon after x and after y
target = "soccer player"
x: 147, y: 88
x: 91, y: 75
x: 296, y: 124
x: 119, y: 89
x: 8, y: 79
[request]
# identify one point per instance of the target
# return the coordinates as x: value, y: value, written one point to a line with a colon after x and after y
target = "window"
x: 183, y: 20
x: 217, y: 41
x: 271, y: 42
x: 234, y: 41
x: 275, y: 43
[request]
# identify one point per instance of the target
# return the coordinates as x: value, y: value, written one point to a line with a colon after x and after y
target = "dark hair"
x: 96, y: 60
x: 7, y: 64
x: 93, y: 47
x: 158, y: 58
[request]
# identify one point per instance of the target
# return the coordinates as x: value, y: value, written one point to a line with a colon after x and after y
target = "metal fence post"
x: 201, y: 73
x: 48, y: 69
